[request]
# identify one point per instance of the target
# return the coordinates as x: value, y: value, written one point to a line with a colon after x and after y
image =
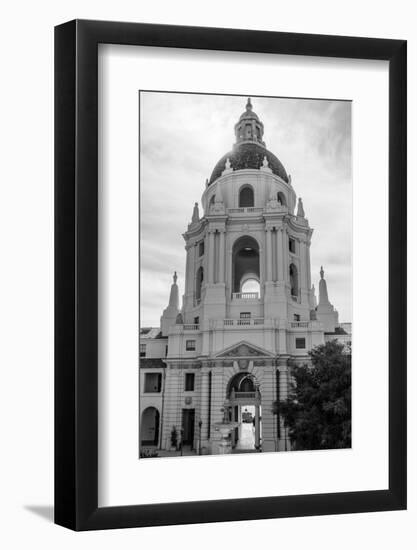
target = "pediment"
x: 244, y: 349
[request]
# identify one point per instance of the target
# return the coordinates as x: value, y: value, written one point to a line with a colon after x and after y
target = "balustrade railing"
x: 191, y: 326
x: 245, y: 295
x: 248, y: 209
x: 256, y: 321
x: 300, y: 324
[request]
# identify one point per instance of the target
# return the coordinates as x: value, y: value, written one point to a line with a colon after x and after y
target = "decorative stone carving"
x: 243, y: 364
x: 243, y: 350
x: 227, y: 167
x: 265, y: 165
x: 272, y: 204
x: 300, y: 209
x: 218, y: 206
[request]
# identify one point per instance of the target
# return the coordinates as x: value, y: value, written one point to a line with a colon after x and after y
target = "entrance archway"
x: 245, y: 404
x: 149, y: 427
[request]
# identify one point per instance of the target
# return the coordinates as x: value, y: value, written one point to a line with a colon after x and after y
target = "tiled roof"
x: 149, y: 332
x: 151, y: 363
x: 249, y: 155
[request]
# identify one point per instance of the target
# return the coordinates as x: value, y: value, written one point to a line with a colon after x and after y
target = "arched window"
x: 241, y: 382
x: 246, y: 198
x: 199, y: 283
x: 251, y: 285
x: 213, y: 198
x: 245, y: 266
x: 281, y: 198
x: 294, y: 280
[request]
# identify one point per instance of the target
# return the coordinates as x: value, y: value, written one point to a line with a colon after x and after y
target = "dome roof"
x: 249, y: 155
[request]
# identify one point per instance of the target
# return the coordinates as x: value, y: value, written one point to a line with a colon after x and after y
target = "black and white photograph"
x: 208, y: 275
x: 245, y: 274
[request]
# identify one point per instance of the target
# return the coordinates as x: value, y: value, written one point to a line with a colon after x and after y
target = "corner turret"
x: 171, y: 312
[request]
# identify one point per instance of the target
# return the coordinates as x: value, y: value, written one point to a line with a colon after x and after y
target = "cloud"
x: 182, y: 137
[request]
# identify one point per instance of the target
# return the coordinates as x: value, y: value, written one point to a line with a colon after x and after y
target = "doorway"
x: 248, y: 434
x: 150, y: 427
x: 188, y: 420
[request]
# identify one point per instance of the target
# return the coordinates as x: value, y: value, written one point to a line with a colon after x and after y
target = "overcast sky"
x: 183, y: 136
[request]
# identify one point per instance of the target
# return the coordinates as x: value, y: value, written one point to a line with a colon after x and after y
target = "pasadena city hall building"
x: 249, y: 312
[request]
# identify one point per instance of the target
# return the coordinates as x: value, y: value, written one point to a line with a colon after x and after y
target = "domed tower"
x: 249, y: 309
x: 248, y: 238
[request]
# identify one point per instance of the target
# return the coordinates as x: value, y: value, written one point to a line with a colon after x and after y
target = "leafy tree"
x: 318, y: 409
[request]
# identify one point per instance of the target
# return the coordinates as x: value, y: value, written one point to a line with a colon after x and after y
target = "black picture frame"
x: 76, y: 273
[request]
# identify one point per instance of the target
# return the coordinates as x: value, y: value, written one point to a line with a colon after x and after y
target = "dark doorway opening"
x: 188, y: 420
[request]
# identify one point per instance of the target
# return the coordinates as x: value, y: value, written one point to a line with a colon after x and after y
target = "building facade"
x: 249, y: 311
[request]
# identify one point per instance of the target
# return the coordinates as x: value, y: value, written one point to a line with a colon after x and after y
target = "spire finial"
x: 196, y: 216
x: 175, y: 277
x: 321, y: 272
x: 249, y: 105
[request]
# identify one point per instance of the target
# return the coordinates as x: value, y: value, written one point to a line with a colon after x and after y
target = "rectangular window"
x: 190, y: 345
x: 245, y: 315
x: 201, y: 248
x: 153, y: 382
x: 300, y: 343
x: 291, y: 245
x: 189, y: 381
x: 196, y: 320
x: 296, y: 317
x: 142, y: 350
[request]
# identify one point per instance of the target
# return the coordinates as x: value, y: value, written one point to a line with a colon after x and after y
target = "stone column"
x: 190, y: 272
x: 303, y: 266
x: 257, y: 429
x: 217, y: 402
x: 285, y: 262
x: 229, y: 271
x: 268, y: 253
x: 204, y: 405
x: 268, y: 394
x: 221, y: 257
x: 171, y: 406
x: 308, y: 266
x: 280, y: 250
x: 210, y: 257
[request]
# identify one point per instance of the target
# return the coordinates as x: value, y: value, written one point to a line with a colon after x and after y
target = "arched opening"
x: 241, y: 382
x: 246, y: 197
x: 294, y: 280
x: 149, y: 427
x: 251, y: 285
x: 245, y: 258
x: 212, y: 199
x: 245, y: 408
x: 281, y: 198
x: 199, y: 283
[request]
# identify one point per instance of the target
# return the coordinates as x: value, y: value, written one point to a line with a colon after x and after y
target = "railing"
x: 245, y: 295
x: 300, y: 324
x: 248, y: 209
x: 191, y: 327
x: 256, y: 321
